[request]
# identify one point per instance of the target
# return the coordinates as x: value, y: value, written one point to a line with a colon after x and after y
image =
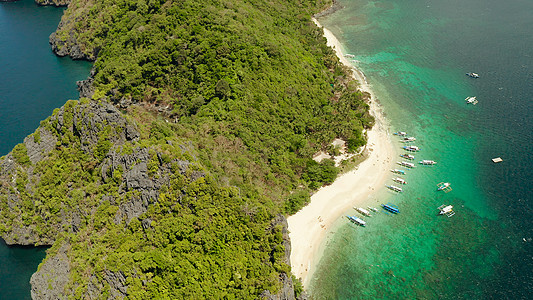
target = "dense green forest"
x: 178, y: 194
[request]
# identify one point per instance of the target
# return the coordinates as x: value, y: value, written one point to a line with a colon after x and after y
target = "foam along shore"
x: 308, y: 227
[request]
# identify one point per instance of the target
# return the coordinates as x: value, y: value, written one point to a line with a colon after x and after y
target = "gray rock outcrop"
x: 63, y: 46
x: 85, y: 87
x: 84, y: 124
x: 286, y: 281
x: 77, y: 129
x: 50, y: 280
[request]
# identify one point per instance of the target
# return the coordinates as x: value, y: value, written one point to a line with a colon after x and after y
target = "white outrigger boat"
x: 408, y: 156
x: 363, y: 211
x: 471, y: 100
x: 400, y: 133
x: 398, y: 171
x: 399, y: 180
x: 411, y: 148
x: 446, y: 210
x: 356, y: 220
x: 372, y: 208
x: 409, y: 139
x: 395, y: 188
x: 406, y: 164
x: 428, y: 162
x: 472, y: 74
x: 444, y: 186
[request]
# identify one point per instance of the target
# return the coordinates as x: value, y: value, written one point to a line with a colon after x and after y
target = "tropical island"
x: 192, y: 141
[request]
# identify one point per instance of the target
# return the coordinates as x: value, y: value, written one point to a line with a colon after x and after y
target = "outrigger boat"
x: 406, y: 164
x: 473, y: 75
x: 398, y: 171
x: 446, y: 210
x: 428, y: 162
x: 391, y: 208
x: 356, y: 220
x: 409, y: 139
x: 395, y: 188
x: 408, y: 156
x: 400, y: 133
x: 411, y: 148
x: 363, y: 211
x: 471, y: 100
x: 444, y: 186
x: 399, y: 180
x: 372, y: 208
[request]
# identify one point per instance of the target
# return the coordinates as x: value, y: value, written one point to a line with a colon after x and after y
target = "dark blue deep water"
x: 415, y: 54
x: 33, y: 81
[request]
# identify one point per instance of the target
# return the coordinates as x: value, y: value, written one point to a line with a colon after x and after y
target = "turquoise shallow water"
x: 415, y: 54
x: 33, y: 81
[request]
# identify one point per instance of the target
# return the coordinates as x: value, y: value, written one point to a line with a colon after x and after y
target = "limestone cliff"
x: 50, y: 280
x: 34, y: 174
x: 81, y: 160
x: 33, y: 214
x: 67, y: 44
x: 287, y: 291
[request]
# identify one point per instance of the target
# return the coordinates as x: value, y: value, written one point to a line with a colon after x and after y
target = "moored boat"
x: 391, y: 208
x: 427, y: 162
x: 363, y: 211
x: 471, y: 100
x: 400, y: 133
x: 411, y: 148
x: 400, y: 180
x: 408, y: 156
x: 395, y: 188
x: 372, y: 208
x: 444, y: 186
x: 356, y: 220
x: 409, y: 139
x: 472, y: 74
x: 446, y: 210
x: 398, y: 171
x: 406, y: 164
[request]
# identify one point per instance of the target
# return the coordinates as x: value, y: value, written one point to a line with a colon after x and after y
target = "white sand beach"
x: 308, y: 228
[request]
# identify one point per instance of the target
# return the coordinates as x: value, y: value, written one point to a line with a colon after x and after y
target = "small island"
x: 192, y: 141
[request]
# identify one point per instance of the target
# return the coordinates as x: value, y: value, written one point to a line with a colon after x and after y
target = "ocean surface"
x: 33, y: 81
x: 415, y: 54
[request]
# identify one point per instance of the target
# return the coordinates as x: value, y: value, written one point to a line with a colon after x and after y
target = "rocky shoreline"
x: 335, y: 6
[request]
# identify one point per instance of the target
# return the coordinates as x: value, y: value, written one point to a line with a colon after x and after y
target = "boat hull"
x: 390, y: 208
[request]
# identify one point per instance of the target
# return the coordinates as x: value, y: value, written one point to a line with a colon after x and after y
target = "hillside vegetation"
x: 181, y: 192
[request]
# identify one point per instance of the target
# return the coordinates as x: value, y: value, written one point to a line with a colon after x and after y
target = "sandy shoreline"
x: 308, y: 227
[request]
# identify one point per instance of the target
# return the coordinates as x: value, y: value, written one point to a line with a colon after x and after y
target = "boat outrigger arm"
x: 444, y: 186
x: 446, y: 210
